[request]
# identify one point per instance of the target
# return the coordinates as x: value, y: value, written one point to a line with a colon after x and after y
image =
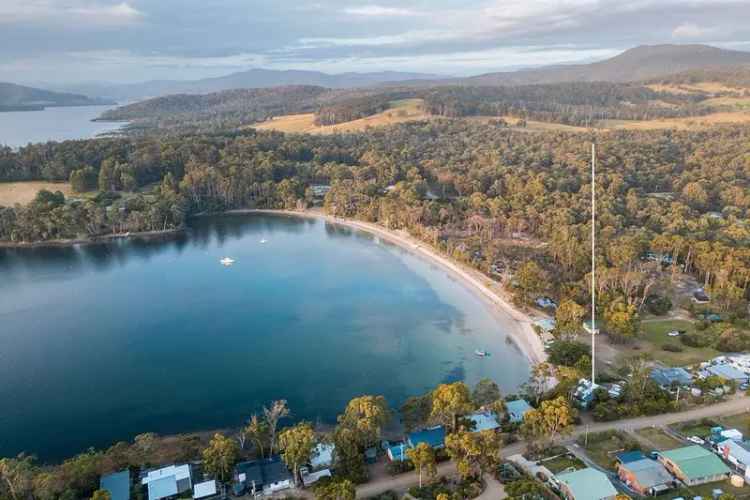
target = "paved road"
x: 403, y: 482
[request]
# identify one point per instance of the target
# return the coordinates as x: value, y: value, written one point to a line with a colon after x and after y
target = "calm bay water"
x: 18, y: 128
x: 101, y: 342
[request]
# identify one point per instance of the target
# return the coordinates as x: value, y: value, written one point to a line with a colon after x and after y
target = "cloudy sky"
x: 133, y: 40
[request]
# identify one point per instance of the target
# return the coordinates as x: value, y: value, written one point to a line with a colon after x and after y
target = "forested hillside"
x: 686, y: 194
x: 18, y: 98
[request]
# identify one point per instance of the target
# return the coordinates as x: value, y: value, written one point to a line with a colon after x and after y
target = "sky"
x: 65, y: 41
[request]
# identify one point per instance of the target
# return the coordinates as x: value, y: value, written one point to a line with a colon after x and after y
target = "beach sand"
x: 516, y: 323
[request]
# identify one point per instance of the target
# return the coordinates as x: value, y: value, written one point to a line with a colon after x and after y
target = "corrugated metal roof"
x: 649, y: 472
x: 517, y: 409
x: 588, y: 484
x: 434, y: 437
x: 484, y: 421
x: 162, y: 488
x: 728, y: 372
x: 696, y: 462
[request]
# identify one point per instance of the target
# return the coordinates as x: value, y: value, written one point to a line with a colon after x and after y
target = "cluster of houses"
x: 435, y: 436
x: 734, y: 369
x: 166, y: 482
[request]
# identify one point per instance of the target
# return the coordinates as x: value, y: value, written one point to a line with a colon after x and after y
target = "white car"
x: 696, y: 440
x: 673, y: 333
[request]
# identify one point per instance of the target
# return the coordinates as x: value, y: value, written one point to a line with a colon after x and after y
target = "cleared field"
x: 688, y: 123
x: 658, y: 438
x: 23, y: 192
x: 694, y: 88
x: 406, y: 110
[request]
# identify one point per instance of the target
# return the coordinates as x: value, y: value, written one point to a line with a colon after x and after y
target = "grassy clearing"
x: 700, y: 428
x: 740, y: 422
x: 563, y: 463
x: 23, y: 192
x: 660, y: 439
x: 654, y: 337
x: 603, y: 446
x: 695, y: 88
x: 400, y: 111
x: 687, y: 123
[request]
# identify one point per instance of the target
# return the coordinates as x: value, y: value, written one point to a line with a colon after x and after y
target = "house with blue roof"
x: 669, y: 377
x: 433, y: 436
x: 483, y: 421
x: 397, y: 451
x: 116, y: 484
x: 517, y: 409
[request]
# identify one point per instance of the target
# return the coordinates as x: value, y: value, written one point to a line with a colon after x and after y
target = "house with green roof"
x: 694, y: 465
x: 586, y: 484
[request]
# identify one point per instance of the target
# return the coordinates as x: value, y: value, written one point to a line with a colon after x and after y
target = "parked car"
x: 673, y: 333
x: 696, y: 440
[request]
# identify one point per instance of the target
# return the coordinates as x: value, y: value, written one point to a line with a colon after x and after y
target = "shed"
x: 694, y: 465
x: 484, y: 421
x: 433, y: 436
x: 586, y: 484
x: 205, y: 489
x: 117, y: 484
x: 517, y: 409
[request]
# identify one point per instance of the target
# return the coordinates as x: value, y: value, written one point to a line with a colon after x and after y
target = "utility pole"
x: 593, y: 263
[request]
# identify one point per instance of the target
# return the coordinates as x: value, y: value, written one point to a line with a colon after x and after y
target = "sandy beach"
x: 516, y: 323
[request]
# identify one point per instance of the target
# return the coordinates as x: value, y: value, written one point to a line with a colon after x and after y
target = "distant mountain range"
x: 19, y: 98
x: 254, y: 78
x: 640, y: 63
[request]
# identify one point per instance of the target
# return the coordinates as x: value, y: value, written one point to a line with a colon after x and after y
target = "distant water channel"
x: 19, y: 128
x: 99, y: 343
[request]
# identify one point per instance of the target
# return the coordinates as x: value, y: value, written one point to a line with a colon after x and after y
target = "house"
x: 584, y: 393
x: 728, y: 372
x: 397, y: 451
x: 516, y: 410
x: 484, y: 421
x: 206, y: 489
x: 322, y: 456
x: 694, y: 465
x: 168, y: 482
x: 670, y: 377
x: 736, y: 453
x: 117, y: 484
x: 433, y: 436
x: 586, y: 484
x: 268, y: 475
x: 646, y: 476
x: 732, y: 434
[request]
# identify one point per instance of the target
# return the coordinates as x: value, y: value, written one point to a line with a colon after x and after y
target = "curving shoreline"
x: 516, y: 323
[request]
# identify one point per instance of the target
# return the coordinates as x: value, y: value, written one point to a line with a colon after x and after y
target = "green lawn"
x: 603, y: 446
x: 563, y: 463
x: 701, y: 429
x: 659, y: 438
x: 654, y: 336
x: 740, y: 422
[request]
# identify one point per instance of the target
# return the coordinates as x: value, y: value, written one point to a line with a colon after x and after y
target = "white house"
x: 168, y: 481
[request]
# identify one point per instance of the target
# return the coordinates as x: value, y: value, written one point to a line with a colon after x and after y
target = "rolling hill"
x: 19, y: 98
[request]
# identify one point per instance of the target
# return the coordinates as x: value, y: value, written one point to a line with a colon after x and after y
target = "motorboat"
x: 227, y: 261
x: 481, y: 353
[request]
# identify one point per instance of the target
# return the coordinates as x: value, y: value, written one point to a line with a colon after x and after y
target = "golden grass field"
x: 694, y: 88
x: 23, y: 192
x: 406, y: 110
x: 688, y: 123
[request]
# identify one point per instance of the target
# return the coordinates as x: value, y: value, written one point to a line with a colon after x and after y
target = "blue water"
x: 19, y: 128
x: 99, y: 343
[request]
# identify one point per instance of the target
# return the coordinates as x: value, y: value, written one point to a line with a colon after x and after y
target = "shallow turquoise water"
x: 101, y: 342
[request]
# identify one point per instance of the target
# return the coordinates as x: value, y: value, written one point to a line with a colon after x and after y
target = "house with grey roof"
x: 646, y: 476
x: 168, y: 482
x: 517, y: 409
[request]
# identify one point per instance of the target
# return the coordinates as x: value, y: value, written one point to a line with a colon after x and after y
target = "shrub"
x: 671, y: 348
x: 696, y: 339
x: 567, y: 352
x: 396, y: 467
x: 659, y: 306
x: 733, y: 340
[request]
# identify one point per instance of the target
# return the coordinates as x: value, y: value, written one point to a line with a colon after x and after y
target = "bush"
x: 396, y: 467
x: 696, y: 339
x: 671, y: 348
x: 567, y: 352
x: 733, y: 340
x: 659, y: 306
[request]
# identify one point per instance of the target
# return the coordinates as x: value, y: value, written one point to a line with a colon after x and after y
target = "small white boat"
x: 226, y: 261
x: 264, y: 240
x: 481, y: 353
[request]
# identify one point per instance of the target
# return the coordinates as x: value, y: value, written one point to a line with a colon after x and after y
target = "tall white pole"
x: 593, y: 263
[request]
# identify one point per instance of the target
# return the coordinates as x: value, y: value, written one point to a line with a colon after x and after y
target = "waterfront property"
x: 433, y: 436
x: 116, y: 484
x: 322, y: 456
x: 694, y: 465
x: 516, y: 410
x: 268, y: 475
x: 168, y: 482
x: 483, y: 421
x: 642, y: 474
x: 586, y: 484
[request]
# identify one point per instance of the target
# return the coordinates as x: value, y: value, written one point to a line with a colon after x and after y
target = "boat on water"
x: 264, y: 240
x: 481, y: 353
x: 227, y: 261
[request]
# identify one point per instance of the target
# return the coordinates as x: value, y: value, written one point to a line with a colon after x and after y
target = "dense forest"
x: 471, y: 189
x: 581, y: 103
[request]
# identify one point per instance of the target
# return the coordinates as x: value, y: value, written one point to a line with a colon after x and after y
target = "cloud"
x: 77, y: 13
x: 690, y: 31
x: 379, y: 11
